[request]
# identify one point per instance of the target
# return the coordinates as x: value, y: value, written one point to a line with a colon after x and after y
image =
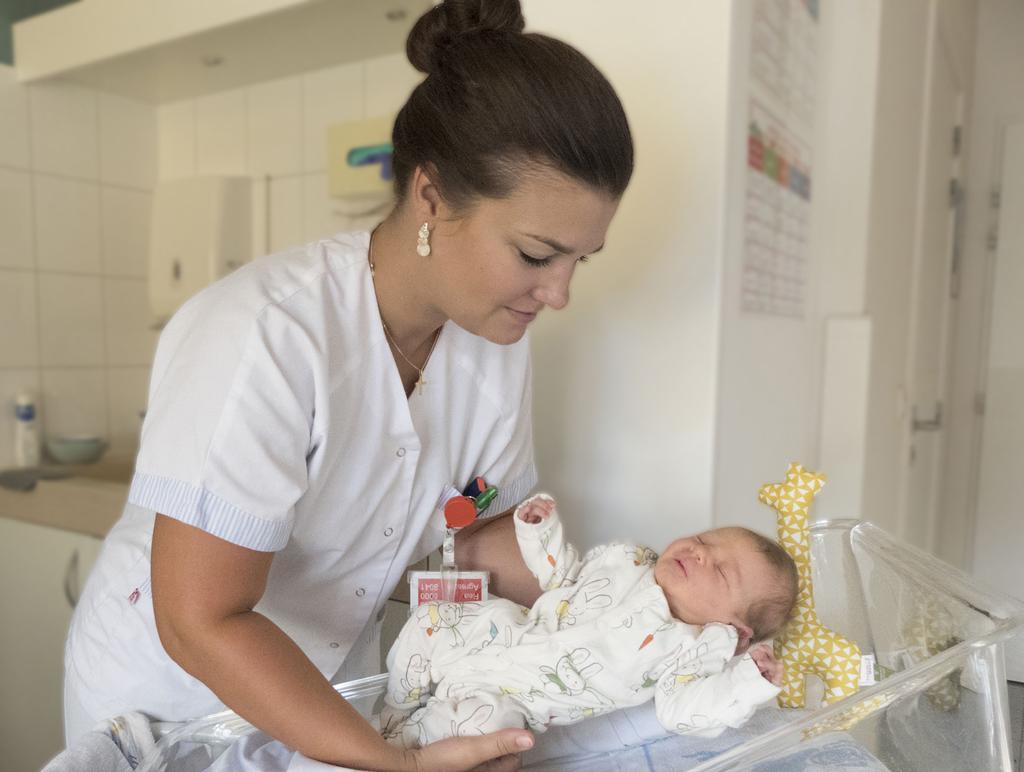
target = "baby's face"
x: 713, y: 576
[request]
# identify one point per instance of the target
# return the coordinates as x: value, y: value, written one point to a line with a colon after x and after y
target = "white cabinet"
x: 42, y: 571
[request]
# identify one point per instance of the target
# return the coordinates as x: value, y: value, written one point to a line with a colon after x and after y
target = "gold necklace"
x: 421, y: 382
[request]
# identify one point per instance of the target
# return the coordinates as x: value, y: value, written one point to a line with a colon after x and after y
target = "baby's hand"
x: 764, y: 658
x: 536, y: 510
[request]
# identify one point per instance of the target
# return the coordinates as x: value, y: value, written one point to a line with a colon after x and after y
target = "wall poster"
x: 780, y: 123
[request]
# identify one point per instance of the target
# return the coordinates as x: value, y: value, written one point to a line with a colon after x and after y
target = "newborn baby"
x: 612, y: 630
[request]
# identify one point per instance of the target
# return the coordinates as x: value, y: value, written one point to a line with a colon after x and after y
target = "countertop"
x: 88, y: 502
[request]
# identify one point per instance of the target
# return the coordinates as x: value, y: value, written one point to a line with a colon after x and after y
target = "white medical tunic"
x: 277, y: 421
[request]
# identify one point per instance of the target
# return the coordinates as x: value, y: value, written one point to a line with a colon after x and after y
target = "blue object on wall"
x: 360, y: 158
x: 373, y: 154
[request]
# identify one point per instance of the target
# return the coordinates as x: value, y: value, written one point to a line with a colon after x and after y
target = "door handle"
x: 932, y: 424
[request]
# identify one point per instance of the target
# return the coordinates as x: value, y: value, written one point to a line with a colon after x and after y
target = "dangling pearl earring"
x: 423, y: 241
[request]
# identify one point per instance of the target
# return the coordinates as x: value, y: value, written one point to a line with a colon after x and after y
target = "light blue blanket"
x: 632, y: 740
x: 624, y: 741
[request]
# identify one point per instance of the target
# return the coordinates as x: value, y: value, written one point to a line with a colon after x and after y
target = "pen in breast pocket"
x: 481, y: 493
x: 485, y: 498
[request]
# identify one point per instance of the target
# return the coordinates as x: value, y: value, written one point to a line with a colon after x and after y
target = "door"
x: 999, y: 533
x: 938, y: 203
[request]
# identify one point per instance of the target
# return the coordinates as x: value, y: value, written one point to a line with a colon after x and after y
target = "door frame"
x: 1014, y: 648
x: 938, y: 45
x: 984, y: 309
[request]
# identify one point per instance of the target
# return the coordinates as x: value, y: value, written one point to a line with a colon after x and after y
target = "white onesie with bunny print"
x: 600, y: 638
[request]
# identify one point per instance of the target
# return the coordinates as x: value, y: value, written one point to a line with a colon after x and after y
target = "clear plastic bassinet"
x: 940, y: 702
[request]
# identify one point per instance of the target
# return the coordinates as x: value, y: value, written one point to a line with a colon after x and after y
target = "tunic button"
x: 334, y: 644
x: 360, y: 592
x: 388, y: 531
x: 400, y: 452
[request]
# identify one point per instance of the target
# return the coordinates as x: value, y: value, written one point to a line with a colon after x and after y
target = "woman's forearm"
x: 261, y: 674
x: 491, y: 545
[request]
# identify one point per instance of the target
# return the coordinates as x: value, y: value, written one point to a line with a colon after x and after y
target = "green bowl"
x: 75, y: 449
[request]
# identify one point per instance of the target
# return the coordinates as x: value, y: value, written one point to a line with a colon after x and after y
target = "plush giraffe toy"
x: 805, y: 646
x: 931, y: 630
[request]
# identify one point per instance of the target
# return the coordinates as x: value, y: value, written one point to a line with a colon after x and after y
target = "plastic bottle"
x: 26, y: 431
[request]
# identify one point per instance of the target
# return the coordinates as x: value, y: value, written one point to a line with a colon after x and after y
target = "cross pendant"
x: 421, y: 382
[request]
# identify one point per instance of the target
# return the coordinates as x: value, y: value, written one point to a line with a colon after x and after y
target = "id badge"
x: 450, y: 585
x: 464, y: 587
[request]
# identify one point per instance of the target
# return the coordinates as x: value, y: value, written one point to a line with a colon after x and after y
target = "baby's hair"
x: 769, y: 614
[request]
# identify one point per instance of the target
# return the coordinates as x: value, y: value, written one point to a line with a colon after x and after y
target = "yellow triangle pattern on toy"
x: 849, y: 718
x: 805, y: 646
x: 932, y: 630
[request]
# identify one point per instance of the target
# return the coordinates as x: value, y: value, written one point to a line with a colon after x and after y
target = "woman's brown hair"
x: 496, y: 101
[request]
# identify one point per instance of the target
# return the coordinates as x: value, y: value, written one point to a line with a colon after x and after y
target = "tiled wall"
x: 279, y: 128
x: 77, y: 169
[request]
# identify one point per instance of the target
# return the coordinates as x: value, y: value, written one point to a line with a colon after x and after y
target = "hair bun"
x: 441, y: 27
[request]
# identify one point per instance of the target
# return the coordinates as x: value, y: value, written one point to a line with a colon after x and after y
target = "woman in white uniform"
x: 307, y: 412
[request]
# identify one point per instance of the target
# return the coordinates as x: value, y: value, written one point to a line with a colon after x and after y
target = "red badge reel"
x: 459, y: 512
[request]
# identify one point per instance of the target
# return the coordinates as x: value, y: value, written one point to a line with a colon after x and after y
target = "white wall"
x: 893, y: 212
x: 658, y: 400
x: 844, y: 145
x: 77, y: 168
x: 998, y: 100
x: 770, y: 366
x: 625, y: 377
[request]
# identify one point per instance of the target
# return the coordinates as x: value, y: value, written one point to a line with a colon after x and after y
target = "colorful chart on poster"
x: 782, y: 104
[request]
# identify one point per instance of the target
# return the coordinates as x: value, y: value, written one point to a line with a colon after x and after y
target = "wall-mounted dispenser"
x: 200, y: 231
x: 359, y: 158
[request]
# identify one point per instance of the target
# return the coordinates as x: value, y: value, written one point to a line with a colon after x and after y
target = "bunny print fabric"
x: 600, y: 638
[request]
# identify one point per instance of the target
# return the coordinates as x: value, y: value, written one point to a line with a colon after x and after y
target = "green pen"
x: 485, y: 498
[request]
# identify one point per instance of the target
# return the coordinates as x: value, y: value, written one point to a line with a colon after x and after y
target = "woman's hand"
x: 494, y: 752
x: 764, y: 658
